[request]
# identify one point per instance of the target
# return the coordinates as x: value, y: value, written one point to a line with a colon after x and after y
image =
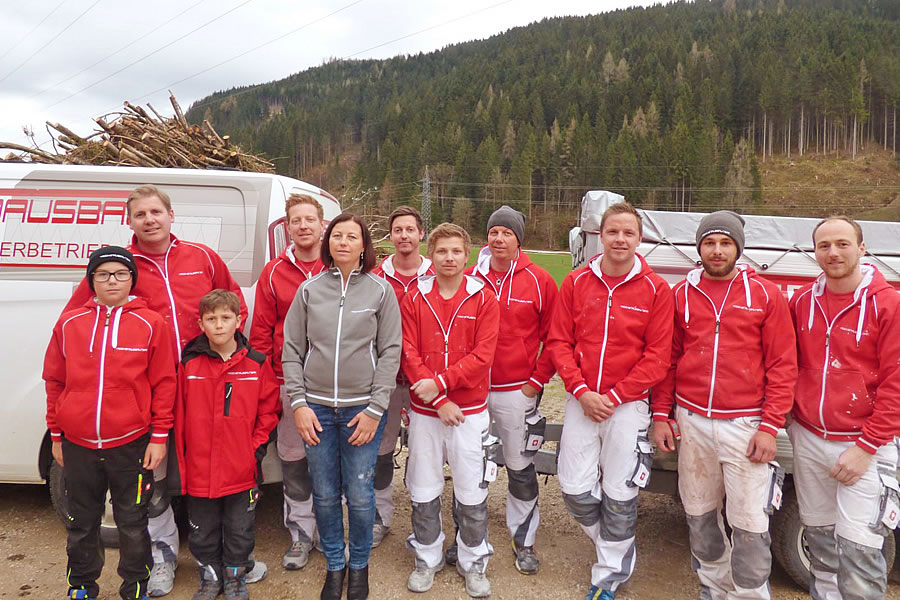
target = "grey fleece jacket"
x: 342, y: 342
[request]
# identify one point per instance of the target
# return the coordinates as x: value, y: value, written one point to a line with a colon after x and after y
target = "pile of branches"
x: 135, y: 137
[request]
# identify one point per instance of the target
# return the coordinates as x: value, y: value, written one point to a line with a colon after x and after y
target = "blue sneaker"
x: 79, y: 595
x: 595, y: 593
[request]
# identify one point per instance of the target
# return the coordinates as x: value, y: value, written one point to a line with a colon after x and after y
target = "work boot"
x: 297, y: 556
x: 210, y: 584
x: 235, y: 585
x: 477, y: 584
x: 334, y: 585
x: 422, y: 578
x: 451, y: 553
x: 358, y: 584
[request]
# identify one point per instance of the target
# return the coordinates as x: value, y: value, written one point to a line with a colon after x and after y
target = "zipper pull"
x: 342, y: 301
x: 609, y: 301
x: 446, y: 346
x: 717, y: 326
x: 108, y: 315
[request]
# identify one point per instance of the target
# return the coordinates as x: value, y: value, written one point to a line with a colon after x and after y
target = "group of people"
x: 149, y: 354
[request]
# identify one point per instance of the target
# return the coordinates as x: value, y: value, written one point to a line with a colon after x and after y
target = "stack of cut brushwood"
x: 135, y: 137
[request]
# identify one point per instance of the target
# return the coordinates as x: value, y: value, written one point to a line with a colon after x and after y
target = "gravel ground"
x: 33, y: 557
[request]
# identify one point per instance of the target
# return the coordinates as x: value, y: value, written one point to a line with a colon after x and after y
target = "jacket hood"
x: 427, y: 283
x: 872, y: 283
x: 483, y: 263
x: 133, y: 246
x: 387, y: 265
x: 640, y: 268
x: 200, y: 345
x: 744, y: 275
x: 134, y: 303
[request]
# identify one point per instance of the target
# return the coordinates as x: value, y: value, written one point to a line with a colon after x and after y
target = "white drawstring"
x: 687, y: 307
x: 862, y: 316
x: 94, y: 331
x: 746, y: 287
x: 115, y: 335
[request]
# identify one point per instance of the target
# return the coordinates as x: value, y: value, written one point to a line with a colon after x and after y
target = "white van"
x: 52, y: 217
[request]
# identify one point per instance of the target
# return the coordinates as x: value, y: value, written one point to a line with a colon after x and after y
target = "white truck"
x: 778, y: 248
x: 52, y: 217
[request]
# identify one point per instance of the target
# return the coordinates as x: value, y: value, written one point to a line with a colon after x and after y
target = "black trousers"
x: 222, y: 530
x: 88, y: 473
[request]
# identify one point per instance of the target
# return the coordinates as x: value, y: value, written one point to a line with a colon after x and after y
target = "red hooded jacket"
x: 174, y: 285
x: 458, y: 358
x: 110, y: 376
x: 275, y: 290
x: 226, y: 413
x: 387, y: 271
x: 849, y: 382
x: 612, y: 341
x: 737, y: 360
x: 527, y: 296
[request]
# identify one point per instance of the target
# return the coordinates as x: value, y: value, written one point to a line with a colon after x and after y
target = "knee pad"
x: 523, y: 484
x: 862, y: 570
x: 295, y: 479
x: 823, y: 555
x: 706, y: 537
x: 751, y: 558
x: 426, y: 521
x: 472, y: 523
x: 159, y: 500
x: 384, y: 471
x: 618, y: 519
x: 583, y: 507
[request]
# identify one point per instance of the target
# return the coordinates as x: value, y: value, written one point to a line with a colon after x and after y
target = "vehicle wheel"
x: 791, y: 551
x: 109, y: 534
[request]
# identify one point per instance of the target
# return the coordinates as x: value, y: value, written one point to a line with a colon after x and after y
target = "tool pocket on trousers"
x: 490, y: 446
x: 887, y: 514
x: 640, y: 477
x: 535, y: 427
x: 252, y: 499
x: 776, y: 487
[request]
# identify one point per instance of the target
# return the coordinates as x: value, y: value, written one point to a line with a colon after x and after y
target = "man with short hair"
x: 402, y: 270
x: 734, y: 366
x: 527, y: 295
x: 846, y: 415
x: 611, y: 338
x: 450, y: 324
x: 275, y: 291
x: 174, y: 275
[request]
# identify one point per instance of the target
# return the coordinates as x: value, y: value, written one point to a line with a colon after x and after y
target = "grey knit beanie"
x: 726, y: 222
x: 509, y: 217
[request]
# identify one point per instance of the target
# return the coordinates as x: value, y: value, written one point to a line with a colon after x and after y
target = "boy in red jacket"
x: 611, y: 339
x: 110, y: 379
x: 846, y: 415
x: 734, y: 367
x: 275, y: 292
x: 227, y: 411
x: 450, y: 325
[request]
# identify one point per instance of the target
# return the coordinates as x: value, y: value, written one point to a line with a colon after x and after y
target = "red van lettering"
x: 88, y: 212
x: 62, y: 213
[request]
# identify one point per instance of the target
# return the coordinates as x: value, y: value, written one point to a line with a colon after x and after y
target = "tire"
x: 109, y: 534
x: 791, y: 551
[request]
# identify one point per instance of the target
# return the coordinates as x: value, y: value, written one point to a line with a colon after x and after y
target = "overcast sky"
x: 70, y: 60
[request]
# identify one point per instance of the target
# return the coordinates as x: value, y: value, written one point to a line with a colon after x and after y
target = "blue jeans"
x: 340, y: 469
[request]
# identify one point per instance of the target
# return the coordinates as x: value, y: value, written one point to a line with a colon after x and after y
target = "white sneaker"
x: 162, y: 579
x: 422, y: 578
x: 477, y: 584
x: 296, y: 556
x: 257, y: 573
x: 378, y: 532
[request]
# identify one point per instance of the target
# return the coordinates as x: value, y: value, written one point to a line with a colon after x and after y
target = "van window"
x: 278, y: 237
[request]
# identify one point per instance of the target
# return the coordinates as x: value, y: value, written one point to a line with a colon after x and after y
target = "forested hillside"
x: 676, y: 106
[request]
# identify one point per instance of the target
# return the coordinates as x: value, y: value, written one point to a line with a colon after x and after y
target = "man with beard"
x: 275, y: 292
x: 734, y: 366
x: 846, y: 415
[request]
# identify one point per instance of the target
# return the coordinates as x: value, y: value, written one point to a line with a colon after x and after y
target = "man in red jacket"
x: 402, y: 269
x: 110, y: 380
x: 734, y: 367
x: 611, y: 338
x: 174, y: 275
x: 526, y: 294
x: 450, y: 325
x: 846, y: 415
x: 275, y: 291
x: 227, y: 411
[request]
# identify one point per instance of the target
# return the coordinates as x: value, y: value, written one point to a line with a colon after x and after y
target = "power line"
x: 32, y: 30
x: 146, y: 56
x: 119, y: 51
x: 244, y: 91
x: 51, y: 40
x: 254, y: 49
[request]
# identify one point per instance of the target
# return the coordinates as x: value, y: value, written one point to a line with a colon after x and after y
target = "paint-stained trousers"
x: 713, y: 465
x: 597, y: 467
x: 844, y: 530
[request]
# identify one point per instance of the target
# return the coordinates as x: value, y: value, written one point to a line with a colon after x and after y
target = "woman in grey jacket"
x: 342, y: 343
